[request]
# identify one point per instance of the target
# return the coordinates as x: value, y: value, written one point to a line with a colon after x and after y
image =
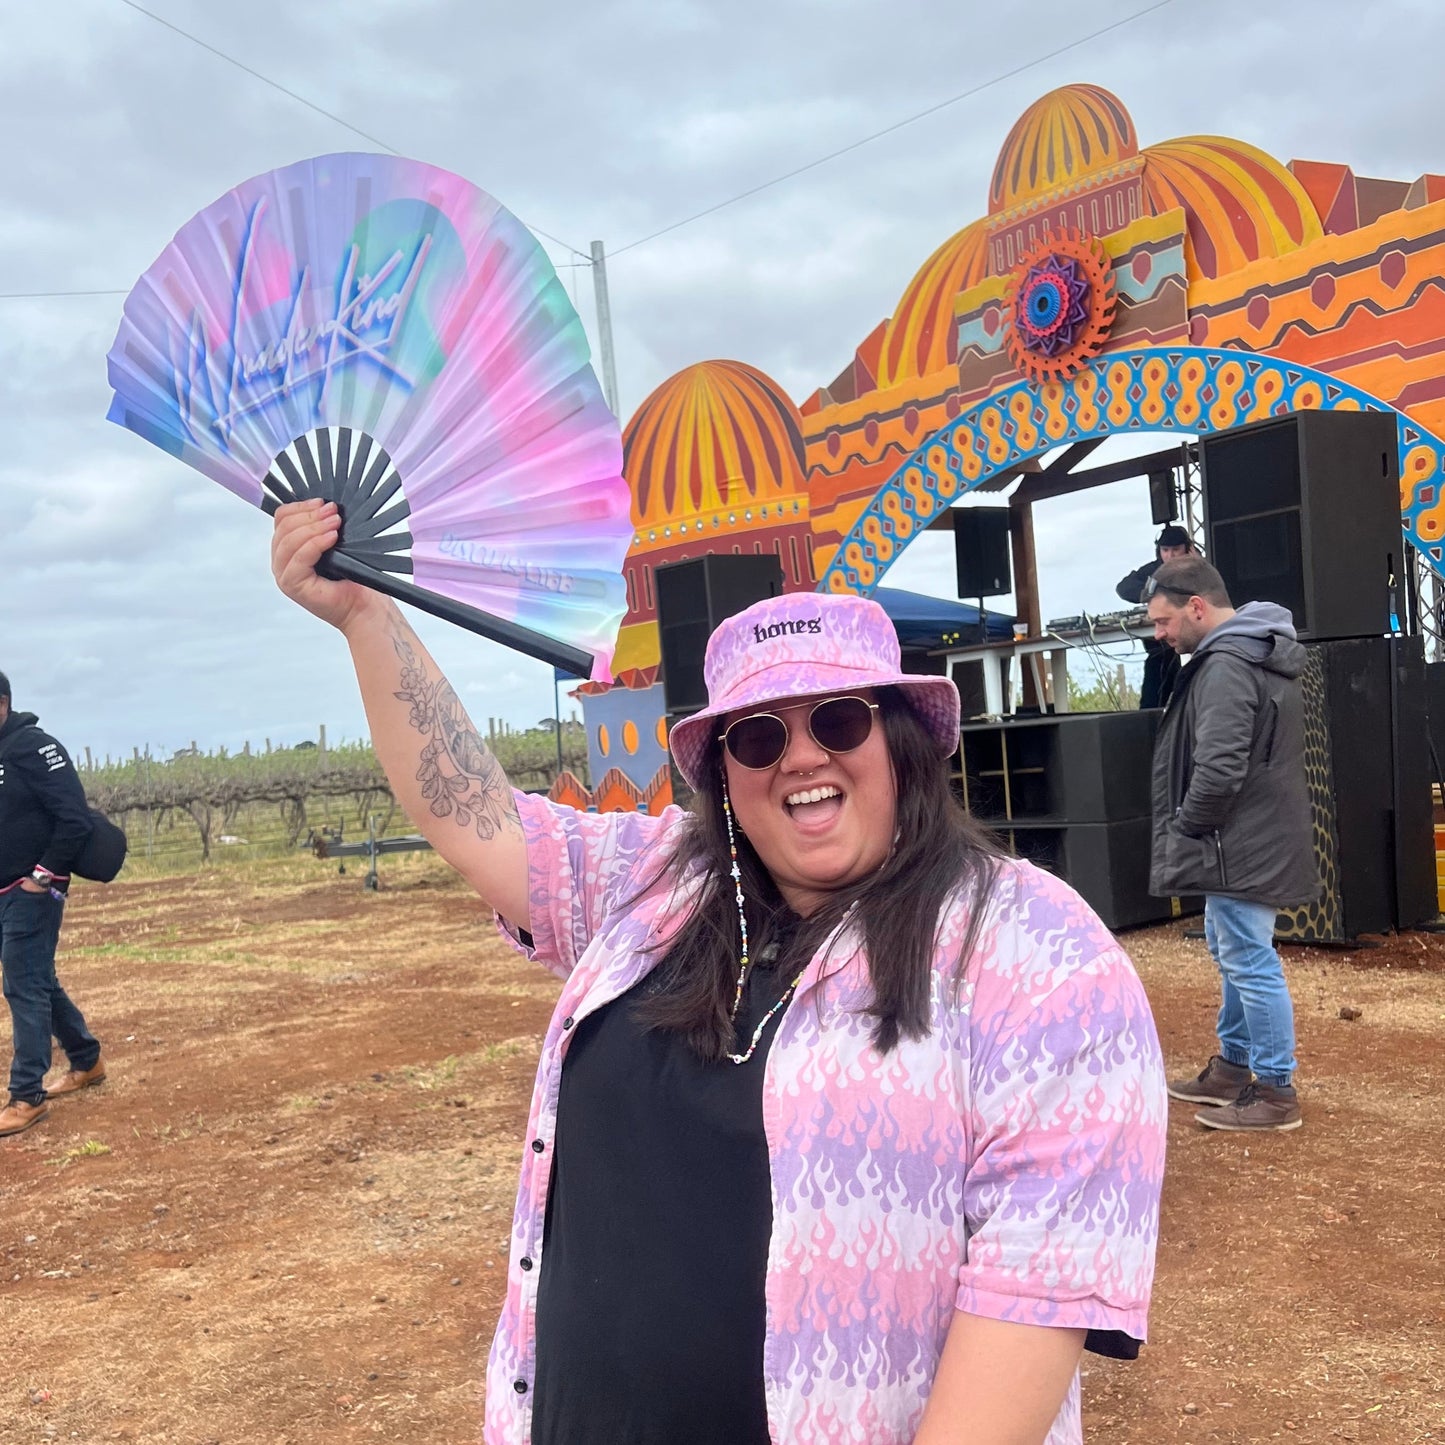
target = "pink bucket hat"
x: 807, y: 644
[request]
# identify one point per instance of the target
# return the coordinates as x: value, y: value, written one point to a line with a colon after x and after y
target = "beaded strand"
x: 737, y: 877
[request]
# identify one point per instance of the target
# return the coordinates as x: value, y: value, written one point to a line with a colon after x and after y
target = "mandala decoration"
x: 1060, y: 306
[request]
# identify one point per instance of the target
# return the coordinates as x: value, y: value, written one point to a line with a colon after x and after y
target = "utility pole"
x: 604, y: 327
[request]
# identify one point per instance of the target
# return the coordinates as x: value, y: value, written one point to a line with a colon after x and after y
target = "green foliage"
x: 1105, y: 693
x: 257, y: 804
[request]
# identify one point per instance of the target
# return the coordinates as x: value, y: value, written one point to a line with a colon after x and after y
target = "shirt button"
x: 525, y: 1263
x: 520, y: 1386
x: 568, y: 1022
x: 537, y: 1146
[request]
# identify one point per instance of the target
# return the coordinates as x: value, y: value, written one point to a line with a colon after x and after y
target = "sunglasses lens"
x: 841, y: 724
x: 758, y: 742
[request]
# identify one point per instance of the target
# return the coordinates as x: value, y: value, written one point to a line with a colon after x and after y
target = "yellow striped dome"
x: 1240, y: 204
x: 1068, y: 133
x: 717, y: 434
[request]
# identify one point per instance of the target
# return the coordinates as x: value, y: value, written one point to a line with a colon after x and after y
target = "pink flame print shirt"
x: 1008, y: 1164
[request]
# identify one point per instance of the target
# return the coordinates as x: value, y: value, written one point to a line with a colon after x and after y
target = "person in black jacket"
x: 44, y: 823
x: 1232, y: 821
x: 1161, y: 662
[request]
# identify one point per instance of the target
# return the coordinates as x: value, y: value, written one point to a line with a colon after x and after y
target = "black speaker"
x: 1061, y: 768
x: 1071, y: 792
x: 1367, y: 761
x: 1304, y: 510
x: 1435, y: 717
x: 1107, y: 863
x: 981, y: 547
x: 1163, y: 499
x: 692, y: 598
x: 1412, y: 774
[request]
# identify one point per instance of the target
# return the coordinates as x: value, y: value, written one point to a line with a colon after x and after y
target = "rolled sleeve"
x: 1062, y: 1192
x: 580, y: 867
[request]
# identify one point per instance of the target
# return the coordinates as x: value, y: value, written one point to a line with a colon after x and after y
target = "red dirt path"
x: 296, y: 1230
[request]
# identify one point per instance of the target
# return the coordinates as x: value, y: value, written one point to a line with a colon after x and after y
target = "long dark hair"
x: 939, y: 850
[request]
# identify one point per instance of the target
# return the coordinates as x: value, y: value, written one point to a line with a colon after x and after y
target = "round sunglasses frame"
x: 812, y: 707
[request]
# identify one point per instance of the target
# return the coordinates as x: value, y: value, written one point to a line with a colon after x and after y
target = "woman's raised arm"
x: 440, y: 770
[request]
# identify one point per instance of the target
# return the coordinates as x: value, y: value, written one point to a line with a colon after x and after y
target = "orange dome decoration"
x: 919, y: 337
x: 1067, y: 133
x: 717, y: 434
x: 1241, y: 204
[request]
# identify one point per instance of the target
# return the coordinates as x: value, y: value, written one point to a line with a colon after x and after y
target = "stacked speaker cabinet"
x: 1367, y: 760
x: 1304, y: 510
x: 1071, y: 792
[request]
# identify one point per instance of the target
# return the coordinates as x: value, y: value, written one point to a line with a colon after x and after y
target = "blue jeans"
x: 1256, y: 1019
x: 39, y: 1007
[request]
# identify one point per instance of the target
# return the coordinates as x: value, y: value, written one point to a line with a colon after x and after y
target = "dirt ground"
x: 283, y: 1218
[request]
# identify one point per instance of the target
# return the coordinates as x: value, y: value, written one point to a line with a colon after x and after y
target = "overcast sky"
x: 135, y: 595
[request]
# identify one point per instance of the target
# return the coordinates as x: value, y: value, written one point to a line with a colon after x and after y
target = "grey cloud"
x: 605, y: 120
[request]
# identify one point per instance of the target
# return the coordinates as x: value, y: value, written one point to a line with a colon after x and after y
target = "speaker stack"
x: 692, y: 598
x: 1304, y: 511
x: 1071, y: 792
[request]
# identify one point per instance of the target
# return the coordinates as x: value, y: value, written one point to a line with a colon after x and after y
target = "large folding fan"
x: 382, y: 334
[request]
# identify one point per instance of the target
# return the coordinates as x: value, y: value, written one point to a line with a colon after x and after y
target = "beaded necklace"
x: 737, y: 877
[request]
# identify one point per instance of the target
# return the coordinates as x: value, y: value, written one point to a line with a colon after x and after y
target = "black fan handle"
x: 338, y: 566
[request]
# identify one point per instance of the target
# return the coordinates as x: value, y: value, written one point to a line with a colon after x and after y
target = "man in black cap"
x: 44, y: 823
x: 1161, y: 662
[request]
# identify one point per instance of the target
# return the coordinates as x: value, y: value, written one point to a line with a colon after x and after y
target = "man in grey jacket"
x: 1232, y: 821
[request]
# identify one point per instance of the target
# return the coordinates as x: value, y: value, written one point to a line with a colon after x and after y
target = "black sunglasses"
x: 837, y: 725
x: 1153, y: 585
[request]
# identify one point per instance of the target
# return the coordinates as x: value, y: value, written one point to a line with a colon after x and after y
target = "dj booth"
x: 984, y: 672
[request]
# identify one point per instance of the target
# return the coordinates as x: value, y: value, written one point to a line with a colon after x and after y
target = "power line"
x: 586, y: 261
x: 264, y: 79
x: 888, y: 130
x: 309, y: 104
x: 53, y: 295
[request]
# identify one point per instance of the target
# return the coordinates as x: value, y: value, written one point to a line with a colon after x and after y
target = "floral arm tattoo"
x: 459, y: 777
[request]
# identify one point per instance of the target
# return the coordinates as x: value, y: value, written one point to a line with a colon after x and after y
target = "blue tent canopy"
x: 932, y: 622
x: 922, y: 623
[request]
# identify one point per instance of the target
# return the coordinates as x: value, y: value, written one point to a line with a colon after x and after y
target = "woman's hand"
x: 304, y: 532
x: 29, y: 885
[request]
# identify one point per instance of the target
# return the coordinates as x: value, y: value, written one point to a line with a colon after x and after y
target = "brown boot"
x: 78, y: 1079
x: 1259, y: 1107
x: 1218, y: 1083
x: 17, y: 1116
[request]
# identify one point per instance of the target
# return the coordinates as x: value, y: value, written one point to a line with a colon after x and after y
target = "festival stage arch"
x: 1175, y: 388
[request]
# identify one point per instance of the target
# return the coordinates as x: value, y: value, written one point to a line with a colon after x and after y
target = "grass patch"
x: 91, y: 1149
x: 437, y: 1076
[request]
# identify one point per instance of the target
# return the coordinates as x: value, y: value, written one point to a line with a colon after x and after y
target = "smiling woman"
x: 847, y: 1128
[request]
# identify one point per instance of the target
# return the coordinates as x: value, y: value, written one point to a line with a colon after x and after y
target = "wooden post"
x: 1026, y: 584
x: 321, y: 742
x: 88, y: 764
x: 246, y: 748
